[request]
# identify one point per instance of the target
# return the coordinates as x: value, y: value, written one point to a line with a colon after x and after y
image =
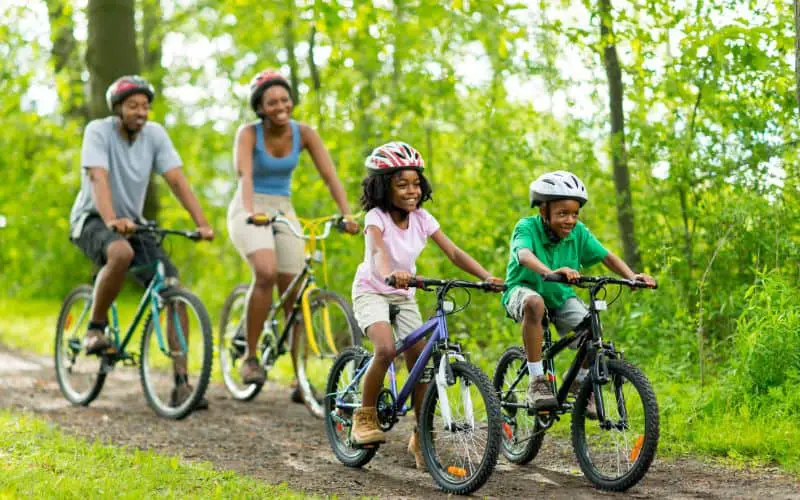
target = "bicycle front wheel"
x: 232, y: 345
x: 79, y: 375
x: 461, y: 453
x: 334, y: 329
x: 615, y: 454
x: 521, y: 433
x: 175, y: 365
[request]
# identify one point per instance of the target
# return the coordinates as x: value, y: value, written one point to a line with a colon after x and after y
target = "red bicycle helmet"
x: 394, y: 156
x: 261, y: 82
x: 126, y: 86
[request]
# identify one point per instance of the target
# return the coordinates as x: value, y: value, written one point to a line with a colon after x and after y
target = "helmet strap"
x: 551, y: 235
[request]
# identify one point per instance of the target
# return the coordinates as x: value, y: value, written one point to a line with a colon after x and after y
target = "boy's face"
x: 561, y: 216
x: 406, y: 190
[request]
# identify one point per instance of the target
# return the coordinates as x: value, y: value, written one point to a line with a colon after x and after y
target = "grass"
x: 37, y: 460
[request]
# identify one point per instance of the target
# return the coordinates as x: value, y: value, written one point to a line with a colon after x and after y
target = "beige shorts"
x: 566, y: 317
x: 289, y: 249
x: 371, y: 308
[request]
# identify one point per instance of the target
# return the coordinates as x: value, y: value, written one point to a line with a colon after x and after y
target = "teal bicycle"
x: 176, y: 344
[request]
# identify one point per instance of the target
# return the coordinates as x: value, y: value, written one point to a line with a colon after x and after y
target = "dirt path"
x: 276, y: 441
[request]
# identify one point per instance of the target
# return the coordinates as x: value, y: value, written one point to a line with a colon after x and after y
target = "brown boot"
x: 415, y: 449
x: 591, y: 408
x: 540, y: 394
x: 96, y: 342
x: 365, y: 428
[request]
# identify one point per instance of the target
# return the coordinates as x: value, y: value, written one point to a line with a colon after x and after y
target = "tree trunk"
x: 315, y: 78
x: 66, y: 63
x: 797, y: 49
x: 111, y: 50
x: 152, y: 37
x: 622, y: 181
x: 290, y: 46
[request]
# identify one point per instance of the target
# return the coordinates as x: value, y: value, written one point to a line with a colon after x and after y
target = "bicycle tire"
x: 523, y: 452
x: 157, y: 403
x: 618, y: 370
x: 347, y: 335
x: 228, y: 352
x: 442, y: 474
x: 75, y: 396
x: 347, y: 454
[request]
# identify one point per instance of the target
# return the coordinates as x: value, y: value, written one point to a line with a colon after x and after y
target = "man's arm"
x: 180, y: 187
x: 101, y: 194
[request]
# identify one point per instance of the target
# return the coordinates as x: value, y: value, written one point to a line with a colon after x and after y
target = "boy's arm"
x: 532, y: 262
x: 620, y: 267
x: 461, y: 258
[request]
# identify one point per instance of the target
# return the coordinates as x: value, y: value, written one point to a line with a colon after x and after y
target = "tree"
x: 65, y: 57
x: 622, y: 177
x: 111, y: 50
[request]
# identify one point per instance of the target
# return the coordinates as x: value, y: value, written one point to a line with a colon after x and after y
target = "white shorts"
x: 371, y: 308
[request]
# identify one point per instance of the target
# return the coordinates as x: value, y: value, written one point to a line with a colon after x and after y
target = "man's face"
x: 563, y: 215
x: 135, y: 109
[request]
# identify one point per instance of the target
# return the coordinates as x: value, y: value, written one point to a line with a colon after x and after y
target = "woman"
x: 265, y: 155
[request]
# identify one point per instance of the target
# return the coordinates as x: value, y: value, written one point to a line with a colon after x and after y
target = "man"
x: 117, y: 156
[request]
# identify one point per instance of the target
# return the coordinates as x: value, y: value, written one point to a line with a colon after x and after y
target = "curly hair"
x: 378, y: 189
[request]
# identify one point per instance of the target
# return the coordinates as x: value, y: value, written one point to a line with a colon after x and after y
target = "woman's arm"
x: 459, y: 257
x: 243, y: 162
x: 324, y: 164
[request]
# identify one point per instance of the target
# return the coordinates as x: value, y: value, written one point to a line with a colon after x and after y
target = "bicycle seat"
x: 394, y: 310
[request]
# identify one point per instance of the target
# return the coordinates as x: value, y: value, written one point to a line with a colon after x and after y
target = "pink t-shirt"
x: 403, y: 246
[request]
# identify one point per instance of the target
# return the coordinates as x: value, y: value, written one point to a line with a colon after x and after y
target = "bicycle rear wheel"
x: 334, y: 329
x: 461, y: 456
x: 616, y: 453
x: 232, y: 345
x: 522, y: 433
x: 176, y: 367
x: 79, y: 375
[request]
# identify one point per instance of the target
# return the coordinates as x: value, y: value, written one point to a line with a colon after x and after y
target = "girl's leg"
x: 366, y: 429
x: 411, y: 356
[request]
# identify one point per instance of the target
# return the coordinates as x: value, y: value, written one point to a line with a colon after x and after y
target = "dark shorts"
x: 96, y: 236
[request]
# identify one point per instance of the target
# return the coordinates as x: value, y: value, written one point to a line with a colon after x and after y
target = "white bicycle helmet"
x: 560, y: 185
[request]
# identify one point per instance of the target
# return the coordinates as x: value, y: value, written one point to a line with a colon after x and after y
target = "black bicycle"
x: 615, y: 448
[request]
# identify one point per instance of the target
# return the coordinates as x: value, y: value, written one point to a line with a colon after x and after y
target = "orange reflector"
x: 507, y: 429
x: 68, y: 322
x: 457, y: 471
x: 637, y: 448
x: 338, y: 427
x: 551, y: 377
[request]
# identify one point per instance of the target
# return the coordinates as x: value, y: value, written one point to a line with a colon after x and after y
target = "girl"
x: 396, y: 229
x: 265, y: 155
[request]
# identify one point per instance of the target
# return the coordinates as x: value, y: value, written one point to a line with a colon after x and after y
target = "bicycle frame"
x: 436, y: 326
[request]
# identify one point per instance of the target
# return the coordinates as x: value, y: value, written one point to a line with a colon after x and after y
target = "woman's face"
x: 277, y: 104
x: 406, y: 190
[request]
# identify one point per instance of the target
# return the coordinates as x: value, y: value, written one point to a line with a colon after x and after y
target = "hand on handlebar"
x: 122, y: 225
x: 205, y: 232
x: 498, y: 285
x: 570, y: 274
x: 399, y: 279
x: 259, y: 219
x: 350, y: 226
x: 647, y: 279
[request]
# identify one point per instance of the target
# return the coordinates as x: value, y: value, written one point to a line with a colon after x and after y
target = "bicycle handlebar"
x: 265, y: 220
x: 600, y: 280
x: 151, y: 228
x: 424, y: 283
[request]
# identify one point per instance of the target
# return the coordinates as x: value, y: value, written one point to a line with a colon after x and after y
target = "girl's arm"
x: 382, y: 264
x: 243, y: 162
x: 459, y: 257
x: 324, y: 164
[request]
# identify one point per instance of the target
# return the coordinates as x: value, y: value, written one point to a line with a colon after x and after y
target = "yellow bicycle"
x: 327, y: 327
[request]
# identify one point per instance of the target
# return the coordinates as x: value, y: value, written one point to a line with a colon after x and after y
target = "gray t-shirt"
x: 129, y: 165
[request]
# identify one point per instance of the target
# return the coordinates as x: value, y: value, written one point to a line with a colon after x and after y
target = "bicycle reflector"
x: 457, y: 471
x: 508, y: 431
x: 637, y: 448
x: 68, y: 322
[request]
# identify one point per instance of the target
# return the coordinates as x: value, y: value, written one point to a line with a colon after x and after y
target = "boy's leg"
x: 567, y: 318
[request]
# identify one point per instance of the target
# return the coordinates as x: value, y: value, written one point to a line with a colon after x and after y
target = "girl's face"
x: 563, y: 215
x: 406, y: 190
x: 277, y: 104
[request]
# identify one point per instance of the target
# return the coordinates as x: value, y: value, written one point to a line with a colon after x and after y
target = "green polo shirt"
x: 578, y: 250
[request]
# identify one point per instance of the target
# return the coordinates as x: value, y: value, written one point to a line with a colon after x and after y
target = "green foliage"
x: 40, y: 461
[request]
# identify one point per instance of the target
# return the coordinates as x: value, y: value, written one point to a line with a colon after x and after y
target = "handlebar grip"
x: 555, y: 277
x: 259, y: 220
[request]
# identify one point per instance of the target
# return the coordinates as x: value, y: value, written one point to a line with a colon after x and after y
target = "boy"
x: 553, y: 242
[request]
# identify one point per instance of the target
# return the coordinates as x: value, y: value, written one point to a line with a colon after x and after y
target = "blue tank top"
x: 274, y: 175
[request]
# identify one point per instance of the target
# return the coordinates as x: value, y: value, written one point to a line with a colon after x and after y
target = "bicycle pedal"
x: 427, y: 375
